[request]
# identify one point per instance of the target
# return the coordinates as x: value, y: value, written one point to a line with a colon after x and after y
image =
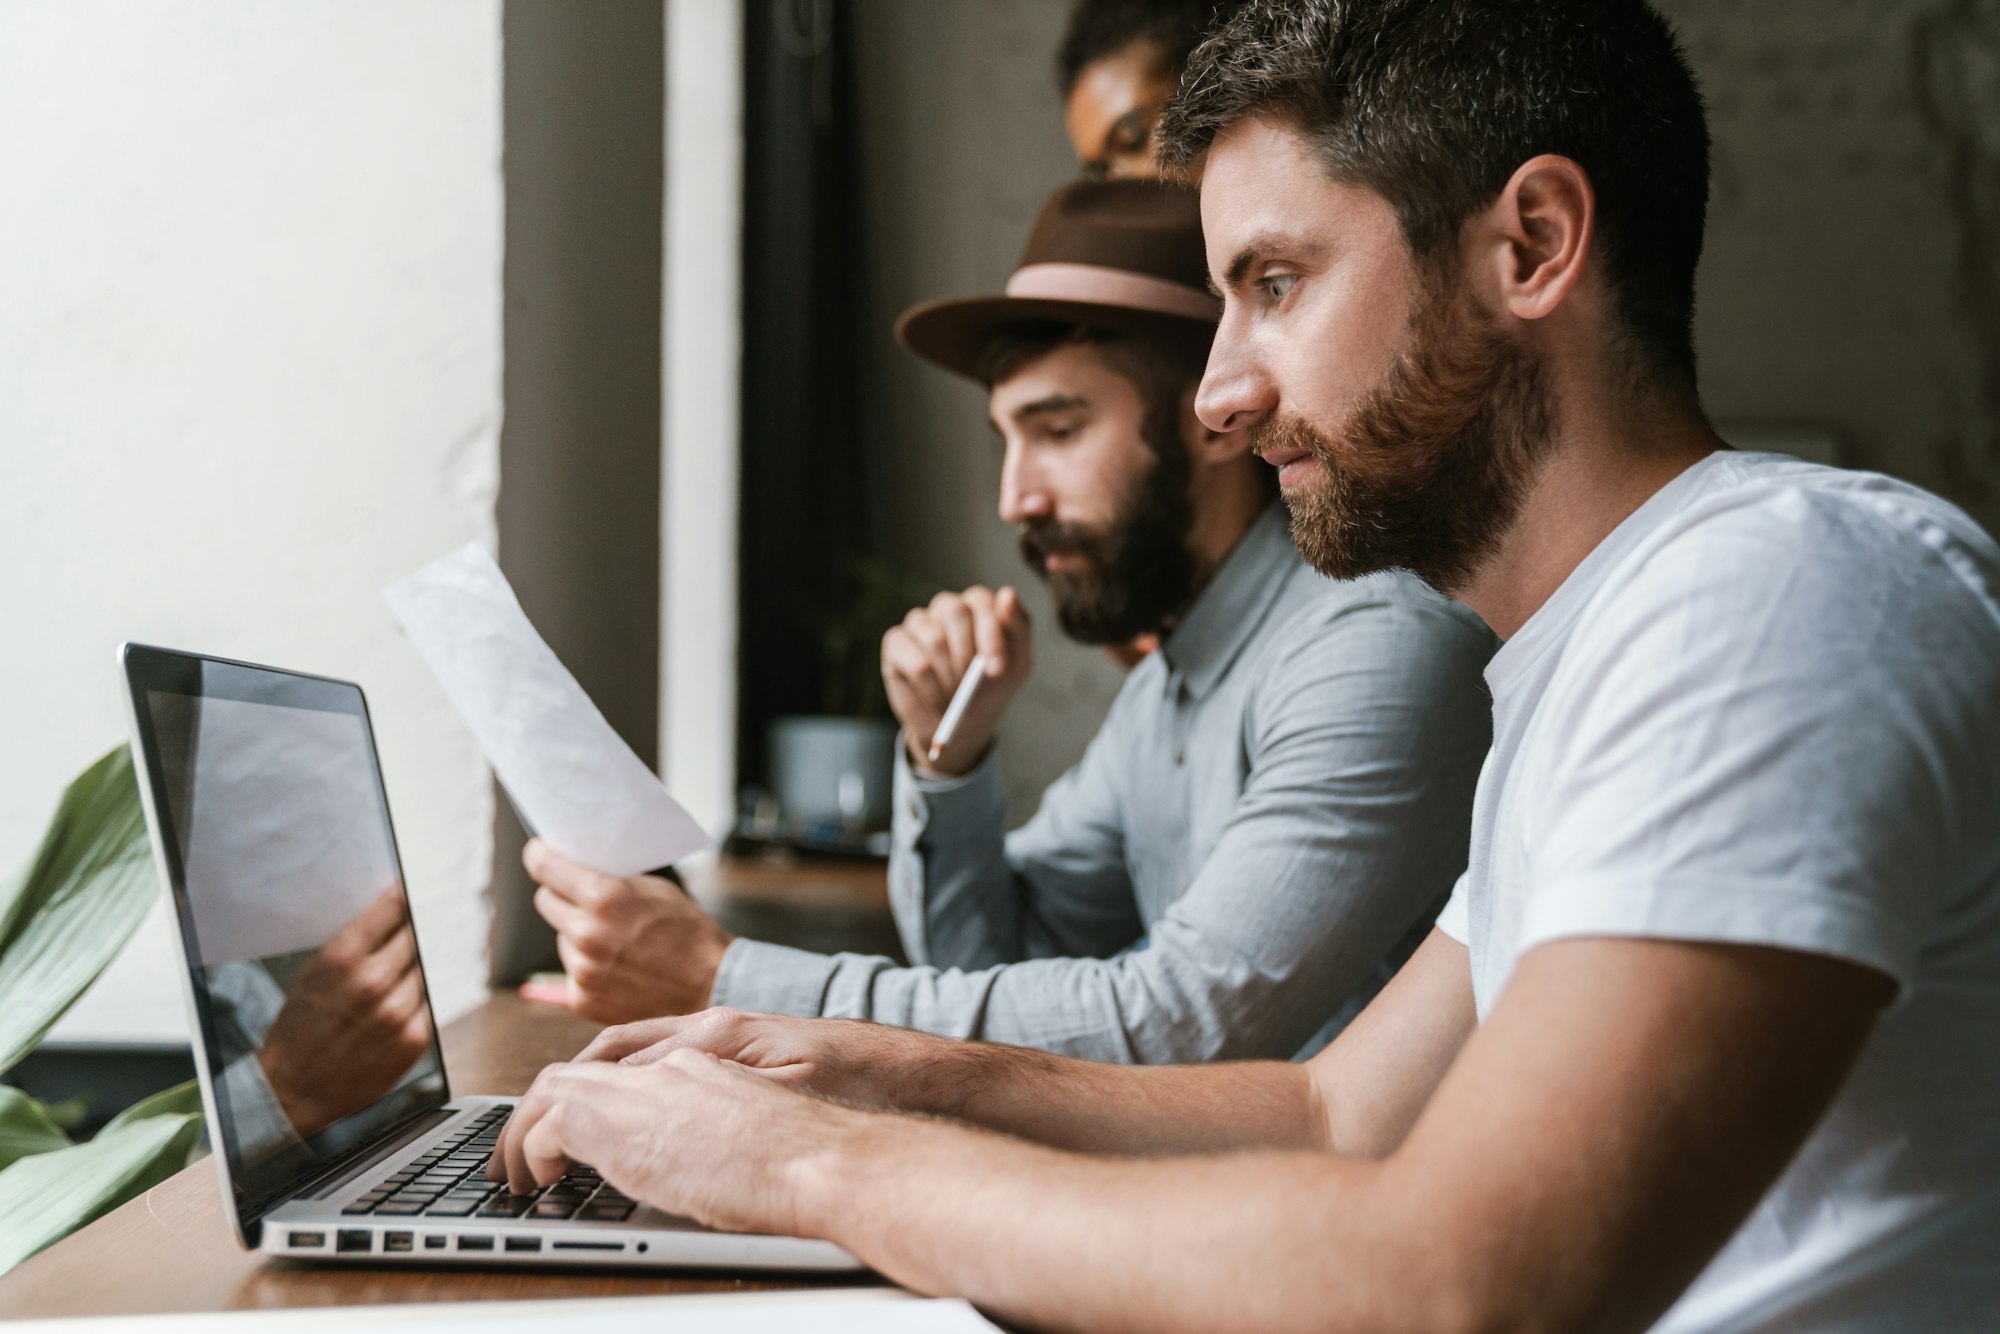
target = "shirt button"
x: 1180, y: 756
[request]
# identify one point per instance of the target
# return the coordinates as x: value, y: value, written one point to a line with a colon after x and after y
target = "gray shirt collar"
x: 1227, y: 613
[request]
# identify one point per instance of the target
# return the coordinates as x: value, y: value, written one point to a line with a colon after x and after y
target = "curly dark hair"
x: 1433, y: 104
x: 1100, y: 28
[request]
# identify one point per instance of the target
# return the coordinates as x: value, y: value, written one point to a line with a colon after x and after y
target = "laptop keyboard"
x: 448, y: 1180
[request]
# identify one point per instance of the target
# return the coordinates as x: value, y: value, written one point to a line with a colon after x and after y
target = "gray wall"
x: 579, y: 504
x: 963, y: 141
x: 1852, y: 276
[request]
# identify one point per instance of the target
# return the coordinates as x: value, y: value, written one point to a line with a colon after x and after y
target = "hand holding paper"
x: 573, y: 778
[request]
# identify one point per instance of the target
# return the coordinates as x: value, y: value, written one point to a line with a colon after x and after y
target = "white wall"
x: 702, y: 310
x: 249, y: 373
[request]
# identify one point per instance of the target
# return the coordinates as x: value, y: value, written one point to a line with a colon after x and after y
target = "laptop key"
x: 553, y: 1208
x: 507, y: 1206
x: 449, y: 1208
x: 360, y: 1207
x: 399, y: 1208
x: 601, y: 1212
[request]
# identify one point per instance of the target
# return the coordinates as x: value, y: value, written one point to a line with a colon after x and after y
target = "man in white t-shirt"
x: 1706, y: 1035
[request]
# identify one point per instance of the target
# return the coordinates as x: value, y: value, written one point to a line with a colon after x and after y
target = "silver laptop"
x: 336, y: 1132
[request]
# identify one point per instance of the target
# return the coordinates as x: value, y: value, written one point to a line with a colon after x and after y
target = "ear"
x: 1206, y: 447
x: 1534, y: 240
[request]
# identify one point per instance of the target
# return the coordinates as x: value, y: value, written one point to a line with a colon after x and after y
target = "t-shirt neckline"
x: 1551, y: 622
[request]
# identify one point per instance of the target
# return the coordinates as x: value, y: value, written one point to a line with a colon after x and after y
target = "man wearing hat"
x: 1270, y: 815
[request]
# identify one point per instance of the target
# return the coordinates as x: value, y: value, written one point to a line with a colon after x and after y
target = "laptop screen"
x: 269, y: 805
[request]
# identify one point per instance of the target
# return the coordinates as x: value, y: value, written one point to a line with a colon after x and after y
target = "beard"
x: 1137, y: 574
x: 1427, y: 472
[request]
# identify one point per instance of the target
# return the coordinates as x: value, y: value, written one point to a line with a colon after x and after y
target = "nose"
x: 1235, y: 390
x: 1022, y: 495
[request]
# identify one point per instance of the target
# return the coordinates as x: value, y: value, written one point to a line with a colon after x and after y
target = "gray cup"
x: 832, y: 769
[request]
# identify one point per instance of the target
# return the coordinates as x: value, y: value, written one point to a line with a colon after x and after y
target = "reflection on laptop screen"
x: 277, y: 835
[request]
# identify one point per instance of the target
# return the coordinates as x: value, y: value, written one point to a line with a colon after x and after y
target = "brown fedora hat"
x: 1121, y: 255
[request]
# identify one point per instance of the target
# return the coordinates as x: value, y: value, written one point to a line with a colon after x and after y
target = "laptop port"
x: 524, y: 1243
x: 436, y: 1243
x: 354, y: 1239
x: 312, y: 1240
x: 399, y: 1241
x: 475, y: 1243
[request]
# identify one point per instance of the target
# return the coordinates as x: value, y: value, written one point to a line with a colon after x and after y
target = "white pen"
x: 954, y: 711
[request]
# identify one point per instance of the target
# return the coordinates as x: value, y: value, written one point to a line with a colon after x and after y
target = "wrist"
x: 944, y: 1076
x: 823, y: 1181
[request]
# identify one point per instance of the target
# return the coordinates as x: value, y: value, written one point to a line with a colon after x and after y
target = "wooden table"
x: 822, y: 905
x: 172, y: 1249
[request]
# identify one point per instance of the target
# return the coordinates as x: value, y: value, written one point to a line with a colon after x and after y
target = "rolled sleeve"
x: 773, y: 979
x: 262, y: 1129
x: 1456, y: 919
x: 951, y: 890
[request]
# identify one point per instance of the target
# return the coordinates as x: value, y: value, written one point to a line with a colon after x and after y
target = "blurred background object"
x: 299, y: 297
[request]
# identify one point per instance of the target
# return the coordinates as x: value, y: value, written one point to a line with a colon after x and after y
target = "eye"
x: 1277, y: 286
x: 1134, y: 139
x: 1062, y: 432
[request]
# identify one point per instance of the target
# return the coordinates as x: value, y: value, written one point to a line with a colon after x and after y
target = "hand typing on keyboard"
x: 445, y: 1181
x: 690, y: 1134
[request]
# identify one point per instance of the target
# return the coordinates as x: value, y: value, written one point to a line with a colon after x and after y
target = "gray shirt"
x: 1263, y: 828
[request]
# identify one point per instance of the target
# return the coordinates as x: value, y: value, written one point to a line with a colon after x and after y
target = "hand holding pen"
x: 951, y: 668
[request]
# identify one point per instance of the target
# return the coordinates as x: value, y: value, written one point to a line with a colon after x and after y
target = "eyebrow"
x: 1259, y: 245
x: 1043, y: 406
x: 1052, y: 403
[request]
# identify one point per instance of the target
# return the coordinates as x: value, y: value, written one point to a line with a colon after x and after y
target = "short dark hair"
x: 1433, y: 104
x: 1100, y: 28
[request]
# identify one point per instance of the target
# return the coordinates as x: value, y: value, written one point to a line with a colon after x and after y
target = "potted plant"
x: 830, y: 771
x: 63, y: 917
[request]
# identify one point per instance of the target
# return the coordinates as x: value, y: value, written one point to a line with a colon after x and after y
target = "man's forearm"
x: 1090, y: 1106
x: 1061, y: 1241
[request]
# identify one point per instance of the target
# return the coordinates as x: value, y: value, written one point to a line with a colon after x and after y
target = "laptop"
x: 337, y: 1134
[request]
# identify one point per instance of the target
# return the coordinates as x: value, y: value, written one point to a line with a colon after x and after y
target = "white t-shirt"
x: 1766, y: 709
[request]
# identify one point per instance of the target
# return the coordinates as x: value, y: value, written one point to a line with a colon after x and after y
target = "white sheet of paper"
x: 574, y: 779
x: 823, y: 1311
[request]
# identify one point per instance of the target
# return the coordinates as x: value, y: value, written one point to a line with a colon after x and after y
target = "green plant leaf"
x: 65, y: 915
x: 48, y: 1196
x: 70, y: 1113
x: 26, y: 1127
x: 180, y: 1100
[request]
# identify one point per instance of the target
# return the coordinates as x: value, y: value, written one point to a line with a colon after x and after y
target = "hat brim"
x: 954, y: 332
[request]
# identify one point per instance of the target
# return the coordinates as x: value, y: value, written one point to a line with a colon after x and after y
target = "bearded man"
x: 1268, y: 819
x: 1703, y: 1041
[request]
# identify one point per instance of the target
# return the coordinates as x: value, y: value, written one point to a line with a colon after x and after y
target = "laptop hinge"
x: 345, y: 1170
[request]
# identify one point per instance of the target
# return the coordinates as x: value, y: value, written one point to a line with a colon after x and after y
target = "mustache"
x: 1048, y: 537
x: 1284, y: 435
